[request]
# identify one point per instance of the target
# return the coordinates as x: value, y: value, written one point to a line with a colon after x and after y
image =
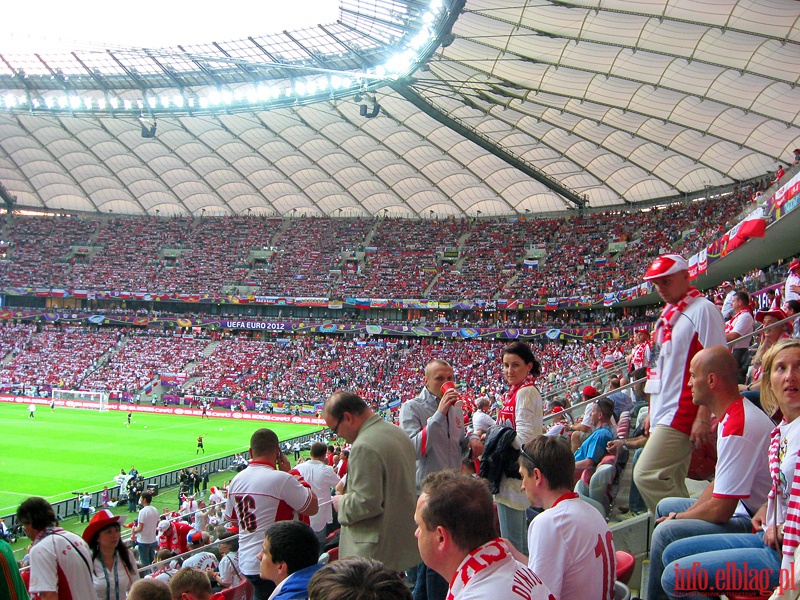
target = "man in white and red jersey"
x: 739, y: 325
x: 60, y: 560
x: 578, y: 564
x: 173, y: 535
x: 259, y: 496
x: 742, y: 479
x: 457, y: 538
x: 639, y: 357
x: 688, y: 323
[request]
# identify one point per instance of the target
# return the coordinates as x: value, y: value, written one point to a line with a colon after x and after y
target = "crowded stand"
x: 140, y: 358
x: 39, y: 249
x: 127, y: 257
x: 58, y: 357
x: 403, y: 258
x: 306, y: 251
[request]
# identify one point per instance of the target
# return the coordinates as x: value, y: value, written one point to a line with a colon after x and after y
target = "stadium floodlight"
x: 428, y: 18
x: 140, y: 104
x: 299, y: 88
x: 35, y: 103
x: 401, y: 63
x: 101, y: 102
x: 214, y: 98
x: 436, y: 6
x: 11, y: 102
x: 87, y: 102
x: 151, y: 101
x: 49, y: 102
x: 128, y: 105
x: 178, y: 101
x: 165, y: 101
x: 203, y: 102
x: 114, y: 102
x: 227, y: 97
x: 75, y: 102
x: 419, y: 41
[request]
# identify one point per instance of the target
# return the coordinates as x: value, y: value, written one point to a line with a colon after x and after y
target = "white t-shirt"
x: 480, y: 420
x: 64, y: 554
x: 258, y: 497
x: 321, y: 478
x: 742, y: 323
x: 201, y: 561
x: 788, y: 294
x: 229, y: 569
x: 699, y: 326
x: 572, y: 550
x: 148, y: 519
x: 106, y: 582
x: 742, y: 456
x: 490, y: 571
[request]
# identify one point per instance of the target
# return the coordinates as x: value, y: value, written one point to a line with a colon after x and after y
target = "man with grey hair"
x: 376, y: 510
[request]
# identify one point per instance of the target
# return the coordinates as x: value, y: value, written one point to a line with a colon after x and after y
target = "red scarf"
x: 729, y: 325
x: 508, y: 413
x: 662, y: 338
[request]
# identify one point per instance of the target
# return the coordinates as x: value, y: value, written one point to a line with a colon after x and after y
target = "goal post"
x: 98, y: 398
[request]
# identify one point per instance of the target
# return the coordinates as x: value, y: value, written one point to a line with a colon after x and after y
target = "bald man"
x: 742, y: 479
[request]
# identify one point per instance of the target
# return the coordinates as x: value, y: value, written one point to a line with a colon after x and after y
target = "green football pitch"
x: 68, y: 450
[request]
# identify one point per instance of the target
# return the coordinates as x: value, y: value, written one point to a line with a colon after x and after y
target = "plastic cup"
x: 447, y: 386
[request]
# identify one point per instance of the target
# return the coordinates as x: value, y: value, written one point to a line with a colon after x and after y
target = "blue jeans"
x: 147, y: 553
x: 697, y: 563
x: 514, y: 526
x: 677, y: 529
x: 635, y: 501
x: 430, y: 585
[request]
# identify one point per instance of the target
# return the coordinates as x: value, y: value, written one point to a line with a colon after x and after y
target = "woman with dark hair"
x: 113, y: 563
x: 522, y: 411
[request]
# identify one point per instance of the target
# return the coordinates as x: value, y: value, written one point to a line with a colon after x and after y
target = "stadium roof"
x: 481, y: 108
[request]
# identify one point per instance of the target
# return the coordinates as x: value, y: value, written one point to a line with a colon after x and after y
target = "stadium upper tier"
x: 449, y: 259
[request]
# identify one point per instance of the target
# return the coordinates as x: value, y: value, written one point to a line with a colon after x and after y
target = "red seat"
x: 333, y: 554
x: 626, y: 562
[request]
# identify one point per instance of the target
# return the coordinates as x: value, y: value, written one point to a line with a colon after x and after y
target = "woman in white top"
x: 523, y: 411
x: 114, y: 566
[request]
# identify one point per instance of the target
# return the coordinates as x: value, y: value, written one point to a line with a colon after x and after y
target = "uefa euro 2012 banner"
x: 329, y: 327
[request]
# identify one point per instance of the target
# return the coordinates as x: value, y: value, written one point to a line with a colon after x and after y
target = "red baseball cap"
x: 795, y: 264
x: 590, y: 392
x: 666, y: 265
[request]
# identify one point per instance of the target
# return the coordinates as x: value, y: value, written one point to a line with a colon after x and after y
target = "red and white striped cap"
x: 665, y: 265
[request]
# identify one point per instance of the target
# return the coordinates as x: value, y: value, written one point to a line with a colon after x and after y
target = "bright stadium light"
x: 114, y: 102
x: 74, y: 102
x: 151, y: 102
x: 128, y: 105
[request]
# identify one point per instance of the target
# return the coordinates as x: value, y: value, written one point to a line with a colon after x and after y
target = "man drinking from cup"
x: 435, y: 422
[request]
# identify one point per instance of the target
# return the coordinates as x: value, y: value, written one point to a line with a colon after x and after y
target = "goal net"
x: 100, y: 399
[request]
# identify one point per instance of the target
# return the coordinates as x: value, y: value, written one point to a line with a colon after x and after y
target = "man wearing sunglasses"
x: 571, y: 547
